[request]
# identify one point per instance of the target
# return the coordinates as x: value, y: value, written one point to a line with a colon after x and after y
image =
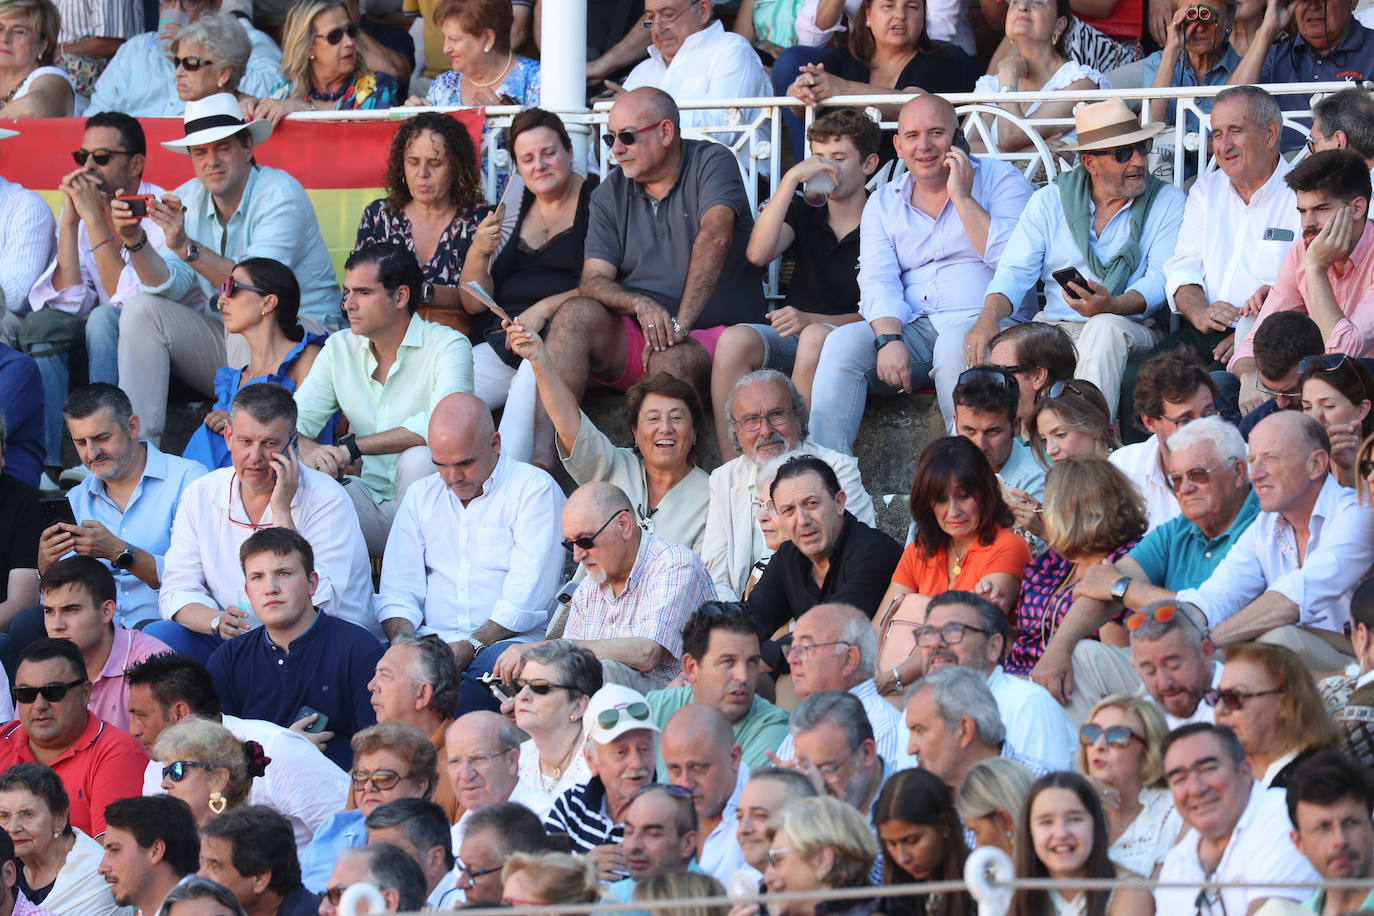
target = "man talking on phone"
x: 1098, y: 239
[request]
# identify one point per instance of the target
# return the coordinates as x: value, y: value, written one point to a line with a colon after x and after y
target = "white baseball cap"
x: 614, y: 710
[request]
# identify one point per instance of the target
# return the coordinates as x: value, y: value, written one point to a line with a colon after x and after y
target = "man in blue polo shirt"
x: 1329, y: 45
x: 124, y: 508
x: 300, y: 657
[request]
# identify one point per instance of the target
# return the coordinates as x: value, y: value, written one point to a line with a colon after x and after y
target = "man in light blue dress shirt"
x: 926, y: 240
x: 233, y: 209
x: 1111, y: 221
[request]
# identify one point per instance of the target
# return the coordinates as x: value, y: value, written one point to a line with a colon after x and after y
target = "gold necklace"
x: 558, y: 214
x: 958, y: 565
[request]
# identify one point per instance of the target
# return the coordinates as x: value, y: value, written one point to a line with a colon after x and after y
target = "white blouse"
x: 1070, y: 73
x: 1147, y: 838
x: 548, y: 790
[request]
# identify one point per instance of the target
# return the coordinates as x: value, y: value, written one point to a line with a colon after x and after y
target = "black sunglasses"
x: 538, y: 686
x: 334, y: 36
x: 460, y: 867
x: 587, y: 543
x: 626, y: 137
x: 1061, y: 386
x: 1235, y: 700
x: 230, y: 286
x: 997, y: 375
x: 101, y: 156
x: 1123, y: 154
x: 1325, y: 362
x: 190, y: 64
x: 176, y: 770
x: 53, y: 693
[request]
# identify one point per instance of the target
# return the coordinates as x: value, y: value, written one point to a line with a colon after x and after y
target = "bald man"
x: 473, y: 555
x: 700, y: 754
x: 482, y: 764
x: 665, y: 268
x: 638, y: 593
x: 928, y: 240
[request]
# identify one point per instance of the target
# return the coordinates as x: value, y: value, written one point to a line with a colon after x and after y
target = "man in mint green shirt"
x: 386, y: 375
x: 1330, y: 799
x: 721, y: 664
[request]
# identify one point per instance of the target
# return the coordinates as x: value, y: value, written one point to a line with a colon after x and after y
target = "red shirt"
x: 103, y: 764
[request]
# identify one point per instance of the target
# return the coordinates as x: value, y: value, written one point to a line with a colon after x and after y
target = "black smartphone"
x: 1065, y: 276
x: 320, y: 724
x: 57, y: 509
x: 961, y: 141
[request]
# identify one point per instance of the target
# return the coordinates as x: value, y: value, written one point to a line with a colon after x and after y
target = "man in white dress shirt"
x: 473, y: 554
x: 202, y: 599
x: 1237, y: 831
x: 700, y: 754
x: 925, y: 242
x: 768, y: 417
x: 26, y: 237
x: 965, y: 629
x: 1288, y: 578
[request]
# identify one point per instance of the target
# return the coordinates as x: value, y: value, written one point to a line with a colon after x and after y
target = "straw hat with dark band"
x: 1107, y: 125
x: 212, y: 119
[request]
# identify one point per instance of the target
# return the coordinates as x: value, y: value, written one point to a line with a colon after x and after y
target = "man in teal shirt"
x: 721, y: 664
x: 1330, y: 799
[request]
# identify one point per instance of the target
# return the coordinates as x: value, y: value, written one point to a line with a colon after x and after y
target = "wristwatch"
x: 350, y: 442
x: 125, y: 559
x: 192, y: 252
x: 214, y: 623
x: 477, y: 645
x: 883, y: 340
x: 679, y: 330
x: 1119, y: 588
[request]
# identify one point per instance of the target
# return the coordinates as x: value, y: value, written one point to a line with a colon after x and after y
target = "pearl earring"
x: 487, y: 49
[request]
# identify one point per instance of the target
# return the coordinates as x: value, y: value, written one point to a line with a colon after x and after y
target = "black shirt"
x: 826, y: 276
x: 21, y: 524
x: 861, y: 568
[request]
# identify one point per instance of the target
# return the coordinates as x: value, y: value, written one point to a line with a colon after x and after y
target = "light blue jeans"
x: 102, y: 361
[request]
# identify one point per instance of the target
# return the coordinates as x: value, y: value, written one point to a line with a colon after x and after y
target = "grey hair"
x: 960, y: 693
x: 434, y: 665
x: 1188, y: 619
x: 1224, y: 438
x: 1261, y: 107
x: 799, y: 408
x: 577, y: 667
x: 390, y: 868
x: 838, y: 707
x: 769, y: 469
x: 508, y: 737
x: 1351, y: 111
x: 858, y: 632
x: 422, y: 822
x: 194, y: 887
x: 224, y: 38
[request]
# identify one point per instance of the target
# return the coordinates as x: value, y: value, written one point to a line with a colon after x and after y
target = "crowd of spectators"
x: 402, y: 614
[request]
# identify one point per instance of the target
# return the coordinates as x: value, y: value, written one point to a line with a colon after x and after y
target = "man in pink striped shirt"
x: 1329, y: 272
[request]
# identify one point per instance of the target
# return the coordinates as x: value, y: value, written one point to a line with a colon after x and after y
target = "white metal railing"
x: 752, y: 129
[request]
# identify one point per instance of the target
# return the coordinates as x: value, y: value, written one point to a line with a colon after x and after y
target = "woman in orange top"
x: 963, y: 541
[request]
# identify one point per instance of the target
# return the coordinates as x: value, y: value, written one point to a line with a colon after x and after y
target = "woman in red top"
x: 963, y: 541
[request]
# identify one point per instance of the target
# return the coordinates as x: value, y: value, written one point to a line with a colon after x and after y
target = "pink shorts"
x: 634, y: 351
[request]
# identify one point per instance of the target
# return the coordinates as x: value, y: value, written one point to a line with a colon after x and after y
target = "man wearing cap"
x: 233, y: 209
x: 1111, y: 221
x: 620, y: 751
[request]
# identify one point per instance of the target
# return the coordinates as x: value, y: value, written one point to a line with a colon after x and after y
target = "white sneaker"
x: 74, y: 476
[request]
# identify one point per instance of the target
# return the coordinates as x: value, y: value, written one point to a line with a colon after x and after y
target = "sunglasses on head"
x: 230, y: 286
x: 101, y: 156
x: 190, y: 64
x: 1235, y: 699
x: 1324, y: 362
x: 53, y: 693
x: 539, y: 686
x: 177, y: 770
x: 1118, y: 736
x: 626, y: 137
x: 1201, y: 14
x: 608, y: 718
x: 1061, y: 386
x: 334, y: 36
x: 994, y: 374
x: 1163, y: 614
x: 1124, y: 154
x: 587, y: 543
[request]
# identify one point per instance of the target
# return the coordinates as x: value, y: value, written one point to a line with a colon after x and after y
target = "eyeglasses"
x: 230, y: 286
x: 463, y: 868
x: 761, y: 505
x: 1265, y: 389
x: 380, y: 779
x: 1209, y: 411
x: 1203, y: 14
x: 178, y: 770
x: 53, y: 693
x: 587, y: 543
x: 804, y: 649
x: 829, y: 770
x: 950, y: 634
x: 101, y: 156
x: 1197, y: 475
x: 1236, y: 699
x: 1313, y: 140
x: 190, y: 64
x: 775, y: 419
x: 1209, y: 902
x: 1118, y: 736
x: 476, y: 761
x: 775, y: 855
x: 996, y: 375
x: 1028, y: 4
x: 663, y: 20
x: 334, y: 36
x: 1124, y: 154
x: 628, y: 136
x: 608, y: 718
x: 539, y: 686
